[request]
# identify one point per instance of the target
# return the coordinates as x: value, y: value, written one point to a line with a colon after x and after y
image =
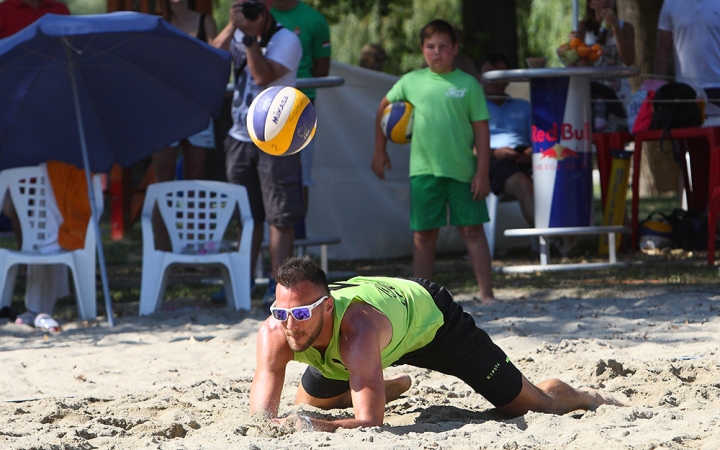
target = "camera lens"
x: 252, y: 9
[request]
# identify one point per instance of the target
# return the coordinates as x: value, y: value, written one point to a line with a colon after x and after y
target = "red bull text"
x: 562, y: 153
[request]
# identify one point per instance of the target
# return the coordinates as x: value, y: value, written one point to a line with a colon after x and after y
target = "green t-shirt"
x: 311, y: 27
x: 444, y: 108
x: 412, y: 312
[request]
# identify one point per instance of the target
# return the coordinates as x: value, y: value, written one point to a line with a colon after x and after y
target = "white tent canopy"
x: 371, y: 216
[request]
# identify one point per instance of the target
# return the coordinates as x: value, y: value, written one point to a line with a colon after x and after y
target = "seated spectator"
x: 511, y: 151
x: 45, y: 283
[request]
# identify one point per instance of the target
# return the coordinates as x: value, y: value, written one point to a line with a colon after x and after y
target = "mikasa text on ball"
x: 281, y: 120
x: 397, y: 122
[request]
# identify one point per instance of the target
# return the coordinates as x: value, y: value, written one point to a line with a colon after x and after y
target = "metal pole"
x: 575, y: 15
x: 91, y: 191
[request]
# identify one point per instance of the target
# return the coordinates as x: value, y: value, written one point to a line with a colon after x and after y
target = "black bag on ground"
x: 690, y: 229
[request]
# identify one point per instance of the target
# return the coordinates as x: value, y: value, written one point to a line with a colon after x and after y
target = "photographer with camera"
x: 264, y: 54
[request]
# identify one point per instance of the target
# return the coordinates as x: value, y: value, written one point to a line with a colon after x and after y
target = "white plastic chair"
x: 491, y: 201
x: 196, y: 214
x: 32, y: 197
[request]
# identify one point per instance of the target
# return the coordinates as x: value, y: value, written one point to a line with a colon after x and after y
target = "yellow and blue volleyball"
x: 281, y: 121
x: 655, y: 233
x: 397, y: 122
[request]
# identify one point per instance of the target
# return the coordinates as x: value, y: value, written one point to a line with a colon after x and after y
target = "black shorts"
x: 459, y: 348
x: 273, y: 183
x: 502, y: 169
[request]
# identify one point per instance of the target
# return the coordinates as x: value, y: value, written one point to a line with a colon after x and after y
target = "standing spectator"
x: 601, y: 26
x: 373, y: 57
x: 182, y: 14
x: 510, y: 148
x: 17, y: 14
x: 264, y: 54
x: 451, y: 117
x: 45, y: 283
x: 310, y: 26
x: 690, y: 31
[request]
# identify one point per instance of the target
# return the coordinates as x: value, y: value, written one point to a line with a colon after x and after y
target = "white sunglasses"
x: 298, y: 313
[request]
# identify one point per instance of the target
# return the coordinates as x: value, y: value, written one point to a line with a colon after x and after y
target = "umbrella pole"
x: 91, y: 190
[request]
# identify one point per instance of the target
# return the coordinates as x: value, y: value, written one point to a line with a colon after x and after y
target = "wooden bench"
x: 544, y: 233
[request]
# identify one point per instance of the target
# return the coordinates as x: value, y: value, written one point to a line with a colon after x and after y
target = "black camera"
x: 252, y: 9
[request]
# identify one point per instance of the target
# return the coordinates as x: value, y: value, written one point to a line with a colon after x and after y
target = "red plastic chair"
x: 714, y: 202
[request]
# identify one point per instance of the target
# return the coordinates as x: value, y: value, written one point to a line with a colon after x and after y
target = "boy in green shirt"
x: 450, y: 118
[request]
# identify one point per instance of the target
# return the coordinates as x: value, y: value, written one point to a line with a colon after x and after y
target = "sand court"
x: 180, y: 379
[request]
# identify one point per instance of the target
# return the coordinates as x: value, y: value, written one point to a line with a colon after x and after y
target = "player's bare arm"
x: 272, y: 356
x: 321, y: 67
x: 364, y: 332
x: 380, y: 158
x: 263, y: 70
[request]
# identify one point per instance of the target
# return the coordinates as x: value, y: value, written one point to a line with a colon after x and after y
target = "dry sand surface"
x: 180, y: 380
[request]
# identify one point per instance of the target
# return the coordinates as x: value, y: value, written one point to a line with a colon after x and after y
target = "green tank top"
x: 412, y: 312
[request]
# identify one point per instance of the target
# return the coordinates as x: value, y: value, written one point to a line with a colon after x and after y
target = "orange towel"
x: 71, y: 195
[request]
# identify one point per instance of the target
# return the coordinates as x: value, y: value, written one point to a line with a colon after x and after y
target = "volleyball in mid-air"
x: 397, y: 122
x: 281, y: 120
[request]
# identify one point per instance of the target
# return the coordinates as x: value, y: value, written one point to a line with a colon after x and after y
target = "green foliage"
x: 542, y: 25
x: 392, y: 24
x: 83, y: 7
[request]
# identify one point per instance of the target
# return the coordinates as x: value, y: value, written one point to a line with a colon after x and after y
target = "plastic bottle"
x: 599, y: 115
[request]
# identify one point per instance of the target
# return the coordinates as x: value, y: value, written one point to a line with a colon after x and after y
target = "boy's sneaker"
x: 269, y: 297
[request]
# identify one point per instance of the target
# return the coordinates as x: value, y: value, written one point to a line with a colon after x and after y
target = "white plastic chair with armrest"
x: 30, y: 192
x: 196, y: 214
x: 492, y: 202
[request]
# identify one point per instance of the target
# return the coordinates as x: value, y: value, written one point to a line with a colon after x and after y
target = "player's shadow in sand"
x: 440, y: 418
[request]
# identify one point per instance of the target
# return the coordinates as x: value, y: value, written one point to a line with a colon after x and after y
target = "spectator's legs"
x: 424, y: 253
x: 520, y: 186
x: 164, y: 161
x: 164, y: 166
x: 194, y: 162
x: 281, y: 246
x: 45, y: 284
x: 257, y: 238
x: 479, y: 251
x: 9, y: 210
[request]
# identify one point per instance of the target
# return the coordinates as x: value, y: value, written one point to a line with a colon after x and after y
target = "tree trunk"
x: 489, y: 26
x: 643, y: 14
x: 659, y: 173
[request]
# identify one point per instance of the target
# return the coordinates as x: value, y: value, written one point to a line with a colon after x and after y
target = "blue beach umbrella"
x: 103, y: 89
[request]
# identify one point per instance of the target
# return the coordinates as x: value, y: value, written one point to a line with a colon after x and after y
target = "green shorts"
x: 430, y: 197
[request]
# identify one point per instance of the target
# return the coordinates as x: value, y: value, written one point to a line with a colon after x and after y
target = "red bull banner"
x: 562, y: 151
